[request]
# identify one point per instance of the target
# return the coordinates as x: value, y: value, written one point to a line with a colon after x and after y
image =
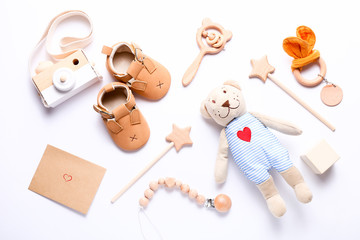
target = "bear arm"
x: 221, y: 165
x: 278, y: 124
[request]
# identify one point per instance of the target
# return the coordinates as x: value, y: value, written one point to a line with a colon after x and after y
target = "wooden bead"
x: 170, y: 182
x: 185, y: 188
x: 161, y: 181
x: 149, y: 193
x: 193, y: 193
x: 222, y: 203
x: 143, y: 201
x: 154, y: 185
x: 178, y: 183
x: 200, y: 199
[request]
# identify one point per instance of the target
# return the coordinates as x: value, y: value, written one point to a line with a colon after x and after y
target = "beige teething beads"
x: 143, y: 201
x: 169, y: 182
x: 200, y: 199
x: 154, y: 185
x: 222, y: 202
x: 161, y: 181
x: 148, y: 193
x: 185, y: 188
x: 178, y: 183
x: 193, y: 193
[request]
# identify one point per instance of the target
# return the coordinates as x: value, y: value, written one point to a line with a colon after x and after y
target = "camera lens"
x: 64, y: 79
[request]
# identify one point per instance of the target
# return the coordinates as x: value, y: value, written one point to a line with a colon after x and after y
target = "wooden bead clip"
x: 222, y: 203
x: 215, y: 43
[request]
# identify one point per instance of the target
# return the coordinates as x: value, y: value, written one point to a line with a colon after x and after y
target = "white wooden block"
x: 321, y: 157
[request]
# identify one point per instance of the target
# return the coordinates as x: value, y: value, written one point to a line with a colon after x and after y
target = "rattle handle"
x: 142, y: 172
x: 193, y: 68
x: 301, y: 102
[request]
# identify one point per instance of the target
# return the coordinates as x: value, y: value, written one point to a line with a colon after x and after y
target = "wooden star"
x: 180, y: 137
x: 261, y: 68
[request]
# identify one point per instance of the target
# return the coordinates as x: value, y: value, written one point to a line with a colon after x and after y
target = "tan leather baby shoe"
x: 122, y: 118
x: 146, y: 77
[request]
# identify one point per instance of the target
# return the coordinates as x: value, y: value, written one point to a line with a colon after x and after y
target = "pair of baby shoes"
x: 116, y: 104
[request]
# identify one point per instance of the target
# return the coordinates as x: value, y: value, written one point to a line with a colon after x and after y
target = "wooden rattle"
x: 262, y: 70
x: 301, y: 49
x: 215, y: 43
x: 222, y: 203
x: 178, y: 137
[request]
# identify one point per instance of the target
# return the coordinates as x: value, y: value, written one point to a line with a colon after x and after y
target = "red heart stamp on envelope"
x: 245, y: 134
x: 67, y: 177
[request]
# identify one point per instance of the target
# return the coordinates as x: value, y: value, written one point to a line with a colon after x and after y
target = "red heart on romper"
x: 245, y: 134
x: 67, y: 177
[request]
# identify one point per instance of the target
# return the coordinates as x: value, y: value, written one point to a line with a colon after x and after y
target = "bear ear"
x: 227, y: 34
x: 206, y: 21
x: 204, y: 111
x: 233, y: 84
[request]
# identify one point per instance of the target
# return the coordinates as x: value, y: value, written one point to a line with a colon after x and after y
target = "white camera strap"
x: 68, y: 45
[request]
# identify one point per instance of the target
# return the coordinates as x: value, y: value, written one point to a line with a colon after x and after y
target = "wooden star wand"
x: 178, y: 137
x: 262, y: 70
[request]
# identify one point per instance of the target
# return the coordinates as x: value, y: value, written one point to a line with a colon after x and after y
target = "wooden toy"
x: 301, y: 49
x: 321, y: 157
x: 58, y: 82
x: 254, y: 148
x: 72, y: 73
x: 215, y: 43
x: 222, y: 203
x: 262, y: 70
x: 178, y: 138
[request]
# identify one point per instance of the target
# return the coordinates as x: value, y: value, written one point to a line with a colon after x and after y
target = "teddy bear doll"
x: 254, y: 147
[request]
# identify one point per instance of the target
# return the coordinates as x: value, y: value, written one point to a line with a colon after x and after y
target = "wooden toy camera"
x: 58, y: 82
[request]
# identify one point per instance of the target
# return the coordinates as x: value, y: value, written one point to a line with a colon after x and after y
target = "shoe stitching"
x: 133, y: 138
x: 160, y: 84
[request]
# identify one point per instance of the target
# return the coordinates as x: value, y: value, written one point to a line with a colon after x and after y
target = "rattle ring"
x: 301, y: 49
x: 314, y: 82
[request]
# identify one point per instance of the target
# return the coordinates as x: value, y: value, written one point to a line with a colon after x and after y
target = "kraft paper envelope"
x: 67, y: 179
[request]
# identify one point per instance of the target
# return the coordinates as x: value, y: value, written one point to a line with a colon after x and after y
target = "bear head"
x: 224, y: 103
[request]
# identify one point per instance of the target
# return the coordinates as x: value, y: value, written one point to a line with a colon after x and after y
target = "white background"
x: 166, y: 31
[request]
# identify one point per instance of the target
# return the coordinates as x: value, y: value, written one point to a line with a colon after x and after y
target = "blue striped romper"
x: 255, y: 149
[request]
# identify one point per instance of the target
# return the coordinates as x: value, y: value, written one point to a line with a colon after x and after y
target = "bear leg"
x: 294, y: 178
x: 273, y: 199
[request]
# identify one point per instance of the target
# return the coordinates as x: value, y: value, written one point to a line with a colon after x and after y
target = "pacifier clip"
x: 222, y: 203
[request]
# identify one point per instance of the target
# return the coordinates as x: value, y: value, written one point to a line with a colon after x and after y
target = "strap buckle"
x: 141, y: 59
x: 103, y: 113
x: 109, y: 115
